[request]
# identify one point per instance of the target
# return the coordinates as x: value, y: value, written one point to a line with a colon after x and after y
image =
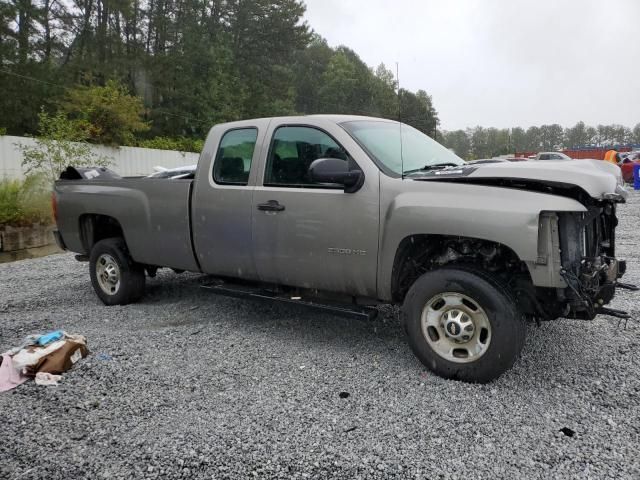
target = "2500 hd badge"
x: 347, y: 251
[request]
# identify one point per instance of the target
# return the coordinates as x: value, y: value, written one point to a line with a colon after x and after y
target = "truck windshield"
x: 381, y: 140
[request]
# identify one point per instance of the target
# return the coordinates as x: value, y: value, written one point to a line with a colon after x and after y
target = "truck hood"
x: 596, y: 178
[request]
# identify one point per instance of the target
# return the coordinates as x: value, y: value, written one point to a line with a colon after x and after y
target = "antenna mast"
x: 400, y: 120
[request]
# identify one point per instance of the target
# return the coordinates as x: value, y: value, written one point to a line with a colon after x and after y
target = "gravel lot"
x: 200, y: 386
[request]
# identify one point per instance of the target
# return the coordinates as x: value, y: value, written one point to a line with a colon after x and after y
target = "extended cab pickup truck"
x: 338, y: 207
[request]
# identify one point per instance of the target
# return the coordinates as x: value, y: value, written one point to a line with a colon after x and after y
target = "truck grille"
x: 587, y: 235
x: 599, y: 227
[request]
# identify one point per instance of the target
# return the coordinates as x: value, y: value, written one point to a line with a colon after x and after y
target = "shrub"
x: 10, y: 212
x: 59, y: 144
x: 35, y: 198
x: 180, y: 144
x: 25, y: 202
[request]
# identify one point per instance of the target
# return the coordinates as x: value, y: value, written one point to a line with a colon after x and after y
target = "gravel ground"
x: 200, y: 386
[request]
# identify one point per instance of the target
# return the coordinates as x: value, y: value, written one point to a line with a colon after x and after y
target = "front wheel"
x: 463, y: 324
x: 116, y: 278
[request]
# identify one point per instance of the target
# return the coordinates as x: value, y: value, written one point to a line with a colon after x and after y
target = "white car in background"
x: 551, y: 156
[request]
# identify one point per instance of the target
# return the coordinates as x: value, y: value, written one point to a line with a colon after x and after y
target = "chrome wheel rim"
x: 456, y: 327
x: 108, y: 274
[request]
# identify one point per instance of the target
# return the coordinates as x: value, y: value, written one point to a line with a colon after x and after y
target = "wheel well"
x: 418, y: 254
x: 94, y: 227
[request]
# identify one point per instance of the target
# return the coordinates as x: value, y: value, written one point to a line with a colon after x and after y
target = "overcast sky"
x: 500, y: 63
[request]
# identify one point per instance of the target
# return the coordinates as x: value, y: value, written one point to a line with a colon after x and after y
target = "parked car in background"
x: 626, y: 165
x: 552, y: 156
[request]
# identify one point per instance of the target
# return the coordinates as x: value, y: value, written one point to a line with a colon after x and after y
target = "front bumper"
x: 594, y: 287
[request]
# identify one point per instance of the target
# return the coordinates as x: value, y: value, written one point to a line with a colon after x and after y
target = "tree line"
x: 480, y: 142
x: 187, y: 63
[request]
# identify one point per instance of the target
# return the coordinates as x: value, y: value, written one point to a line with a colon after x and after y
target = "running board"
x: 360, y: 312
x: 612, y: 312
x: 627, y: 286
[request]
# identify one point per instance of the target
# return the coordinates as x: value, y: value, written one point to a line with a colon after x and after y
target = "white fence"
x: 126, y: 161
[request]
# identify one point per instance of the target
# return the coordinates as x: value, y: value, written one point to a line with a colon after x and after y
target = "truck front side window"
x: 233, y: 161
x: 293, y: 149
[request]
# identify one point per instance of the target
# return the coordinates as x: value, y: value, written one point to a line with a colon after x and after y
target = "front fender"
x: 506, y: 216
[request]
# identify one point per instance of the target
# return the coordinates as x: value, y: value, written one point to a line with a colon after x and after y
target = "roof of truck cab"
x: 348, y: 118
x: 337, y: 119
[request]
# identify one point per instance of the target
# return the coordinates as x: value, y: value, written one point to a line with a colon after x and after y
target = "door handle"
x: 271, y: 206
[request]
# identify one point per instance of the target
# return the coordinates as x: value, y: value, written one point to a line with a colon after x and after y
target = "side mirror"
x: 334, y: 170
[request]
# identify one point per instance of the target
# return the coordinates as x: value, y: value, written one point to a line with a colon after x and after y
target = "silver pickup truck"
x: 338, y: 211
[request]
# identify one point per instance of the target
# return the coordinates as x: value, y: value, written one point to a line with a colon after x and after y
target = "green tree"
x: 636, y: 134
x: 518, y: 140
x: 310, y: 66
x: 620, y: 134
x: 417, y: 110
x: 458, y: 141
x: 385, y: 97
x: 112, y: 115
x: 534, y: 138
x: 478, y: 137
x: 497, y: 142
x: 577, y: 135
x: 604, y: 135
x: 551, y: 137
x: 264, y: 36
x: 346, y: 85
x: 590, y: 136
x: 191, y: 63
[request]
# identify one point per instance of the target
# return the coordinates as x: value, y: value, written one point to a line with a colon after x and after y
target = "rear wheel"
x: 116, y: 278
x: 463, y: 324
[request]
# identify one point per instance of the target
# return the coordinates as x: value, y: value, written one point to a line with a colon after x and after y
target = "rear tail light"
x: 54, y: 206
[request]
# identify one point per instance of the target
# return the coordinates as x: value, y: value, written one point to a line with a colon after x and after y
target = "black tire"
x: 507, y: 325
x: 130, y: 274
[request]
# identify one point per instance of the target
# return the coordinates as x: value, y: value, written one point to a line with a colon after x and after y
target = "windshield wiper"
x: 436, y: 166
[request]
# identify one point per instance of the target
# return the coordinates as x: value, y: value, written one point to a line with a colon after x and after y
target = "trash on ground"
x: 44, y: 378
x: 50, y: 337
x: 9, y: 377
x: 44, y: 357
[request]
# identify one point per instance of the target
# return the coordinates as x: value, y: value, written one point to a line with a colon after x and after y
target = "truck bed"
x: 154, y: 215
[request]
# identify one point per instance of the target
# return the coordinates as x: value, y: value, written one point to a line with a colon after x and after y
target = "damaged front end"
x: 588, y: 262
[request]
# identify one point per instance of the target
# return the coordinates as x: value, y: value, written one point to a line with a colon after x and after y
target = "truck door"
x: 222, y: 199
x: 310, y: 235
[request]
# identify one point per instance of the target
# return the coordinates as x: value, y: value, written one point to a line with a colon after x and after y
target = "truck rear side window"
x: 233, y: 161
x: 293, y: 149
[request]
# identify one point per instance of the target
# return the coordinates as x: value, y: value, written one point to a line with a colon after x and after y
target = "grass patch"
x: 24, y: 202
